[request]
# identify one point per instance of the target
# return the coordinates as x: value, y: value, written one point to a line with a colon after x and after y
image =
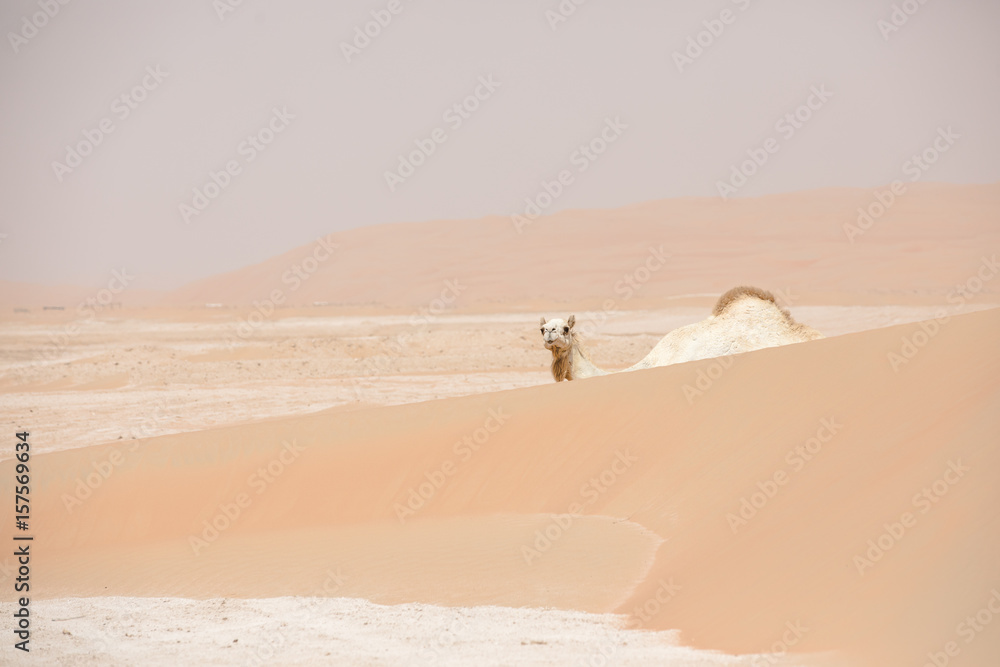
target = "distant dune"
x: 827, y: 489
x: 929, y: 239
x: 816, y: 243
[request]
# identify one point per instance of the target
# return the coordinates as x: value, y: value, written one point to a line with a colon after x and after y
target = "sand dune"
x: 802, y: 239
x: 632, y: 483
x: 822, y: 243
x: 141, y: 374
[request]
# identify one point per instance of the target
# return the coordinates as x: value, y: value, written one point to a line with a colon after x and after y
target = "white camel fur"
x: 744, y: 319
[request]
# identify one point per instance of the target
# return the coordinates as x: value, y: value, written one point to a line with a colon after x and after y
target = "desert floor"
x: 148, y: 372
x: 118, y: 382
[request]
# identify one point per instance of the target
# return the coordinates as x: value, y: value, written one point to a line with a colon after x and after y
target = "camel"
x: 743, y: 319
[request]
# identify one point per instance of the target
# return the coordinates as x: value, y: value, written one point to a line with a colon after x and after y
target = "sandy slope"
x: 648, y: 471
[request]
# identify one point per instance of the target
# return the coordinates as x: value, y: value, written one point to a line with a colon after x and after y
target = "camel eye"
x: 565, y: 329
x: 543, y: 331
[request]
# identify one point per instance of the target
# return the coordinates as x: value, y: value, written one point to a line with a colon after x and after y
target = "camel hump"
x: 738, y: 293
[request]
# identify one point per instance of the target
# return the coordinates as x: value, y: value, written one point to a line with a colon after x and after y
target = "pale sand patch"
x: 344, y: 631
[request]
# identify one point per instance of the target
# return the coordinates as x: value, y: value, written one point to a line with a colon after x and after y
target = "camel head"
x: 558, y: 334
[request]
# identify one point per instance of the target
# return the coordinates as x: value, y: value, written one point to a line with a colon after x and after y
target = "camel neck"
x: 583, y: 367
x: 573, y: 365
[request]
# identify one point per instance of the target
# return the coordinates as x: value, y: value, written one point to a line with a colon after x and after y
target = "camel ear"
x: 571, y: 321
x: 544, y: 320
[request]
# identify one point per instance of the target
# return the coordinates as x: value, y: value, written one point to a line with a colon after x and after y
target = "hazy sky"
x: 198, y: 85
